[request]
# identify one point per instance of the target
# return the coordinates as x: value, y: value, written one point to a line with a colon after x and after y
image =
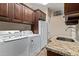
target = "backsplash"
x: 73, y: 30
x: 14, y: 26
x: 77, y: 32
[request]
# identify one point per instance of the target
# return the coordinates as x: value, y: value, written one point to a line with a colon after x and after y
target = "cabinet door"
x: 4, y: 9
x: 70, y: 8
x: 33, y: 17
x: 4, y: 12
x: 34, y: 45
x: 28, y: 15
x: 11, y: 10
x: 25, y: 18
x: 18, y: 12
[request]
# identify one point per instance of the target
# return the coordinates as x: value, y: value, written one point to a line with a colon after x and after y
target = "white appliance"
x: 43, y: 30
x: 34, y: 45
x: 17, y: 47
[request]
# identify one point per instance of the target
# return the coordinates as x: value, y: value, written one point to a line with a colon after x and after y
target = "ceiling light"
x: 44, y: 3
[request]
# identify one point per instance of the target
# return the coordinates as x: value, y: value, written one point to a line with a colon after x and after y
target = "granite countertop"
x: 63, y: 47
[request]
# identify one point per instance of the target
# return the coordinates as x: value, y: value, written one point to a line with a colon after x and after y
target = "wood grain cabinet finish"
x: 11, y: 10
x: 4, y: 12
x: 28, y: 15
x: 25, y: 15
x: 18, y: 12
x: 70, y: 8
x: 33, y: 17
x: 70, y: 11
x: 3, y: 9
x: 34, y: 26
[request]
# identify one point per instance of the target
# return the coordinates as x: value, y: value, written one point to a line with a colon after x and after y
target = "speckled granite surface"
x: 63, y: 47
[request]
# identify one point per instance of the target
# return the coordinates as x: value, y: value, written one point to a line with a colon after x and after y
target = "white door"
x: 43, y: 33
x: 34, y: 45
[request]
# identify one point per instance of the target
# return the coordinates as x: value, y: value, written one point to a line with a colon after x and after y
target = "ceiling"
x: 53, y: 6
x: 56, y: 6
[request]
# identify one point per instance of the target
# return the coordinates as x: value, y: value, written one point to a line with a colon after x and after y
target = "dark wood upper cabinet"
x: 71, y: 11
x: 33, y: 17
x: 11, y: 10
x: 28, y: 15
x: 25, y: 15
x: 18, y: 12
x: 71, y: 8
x: 4, y: 12
x: 4, y: 9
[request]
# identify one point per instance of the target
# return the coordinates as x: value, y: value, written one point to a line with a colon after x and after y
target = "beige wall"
x: 57, y: 27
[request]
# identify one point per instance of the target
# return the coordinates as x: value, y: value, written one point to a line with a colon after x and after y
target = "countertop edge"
x: 56, y: 51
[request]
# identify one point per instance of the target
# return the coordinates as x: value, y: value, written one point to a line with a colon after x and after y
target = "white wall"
x: 57, y: 27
